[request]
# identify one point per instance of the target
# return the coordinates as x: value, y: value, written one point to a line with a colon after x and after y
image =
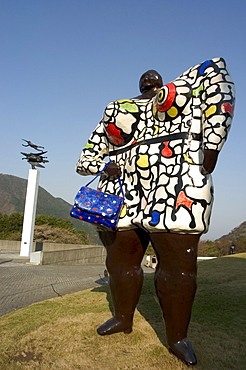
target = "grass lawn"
x: 61, y: 333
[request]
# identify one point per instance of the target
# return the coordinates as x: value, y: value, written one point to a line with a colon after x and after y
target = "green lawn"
x: 60, y: 333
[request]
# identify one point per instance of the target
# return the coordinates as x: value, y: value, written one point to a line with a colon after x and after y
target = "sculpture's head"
x: 149, y: 80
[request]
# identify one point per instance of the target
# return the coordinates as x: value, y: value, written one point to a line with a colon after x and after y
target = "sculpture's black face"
x: 149, y: 80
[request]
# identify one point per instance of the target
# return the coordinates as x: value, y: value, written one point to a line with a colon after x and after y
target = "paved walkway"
x: 23, y: 284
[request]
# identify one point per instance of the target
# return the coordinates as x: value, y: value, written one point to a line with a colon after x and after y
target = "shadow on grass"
x: 217, y: 327
x: 148, y: 305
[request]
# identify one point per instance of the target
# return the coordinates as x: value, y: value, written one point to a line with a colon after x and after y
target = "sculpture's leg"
x: 125, y: 250
x: 175, y: 281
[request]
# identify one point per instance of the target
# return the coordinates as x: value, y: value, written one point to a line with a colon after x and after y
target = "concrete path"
x: 23, y: 284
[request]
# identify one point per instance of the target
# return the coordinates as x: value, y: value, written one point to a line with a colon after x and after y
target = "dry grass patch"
x: 71, y: 342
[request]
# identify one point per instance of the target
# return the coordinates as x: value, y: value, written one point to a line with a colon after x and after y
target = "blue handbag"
x: 96, y: 207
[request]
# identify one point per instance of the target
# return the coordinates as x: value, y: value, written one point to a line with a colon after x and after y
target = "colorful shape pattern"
x: 159, y: 143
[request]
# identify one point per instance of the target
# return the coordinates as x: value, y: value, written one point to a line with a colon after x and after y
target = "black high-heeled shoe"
x: 114, y: 325
x: 184, y: 351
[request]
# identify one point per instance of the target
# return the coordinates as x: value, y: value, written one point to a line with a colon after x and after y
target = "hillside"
x: 12, y: 199
x: 236, y: 234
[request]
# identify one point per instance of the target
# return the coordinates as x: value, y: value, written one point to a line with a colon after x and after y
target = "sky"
x: 63, y: 61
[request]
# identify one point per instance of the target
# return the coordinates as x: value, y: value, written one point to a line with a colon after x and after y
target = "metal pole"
x: 30, y: 213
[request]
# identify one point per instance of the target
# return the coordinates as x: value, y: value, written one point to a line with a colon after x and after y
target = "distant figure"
x: 148, y: 260
x: 232, y: 249
x: 153, y: 264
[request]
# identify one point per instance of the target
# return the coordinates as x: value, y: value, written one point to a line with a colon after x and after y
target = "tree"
x: 11, y: 229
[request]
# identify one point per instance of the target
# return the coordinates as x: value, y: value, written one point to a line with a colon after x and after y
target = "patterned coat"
x: 159, y: 145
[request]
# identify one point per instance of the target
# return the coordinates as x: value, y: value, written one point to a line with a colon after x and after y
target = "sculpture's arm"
x: 217, y: 105
x: 91, y: 160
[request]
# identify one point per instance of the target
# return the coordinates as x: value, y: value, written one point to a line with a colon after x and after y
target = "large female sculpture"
x: 165, y: 144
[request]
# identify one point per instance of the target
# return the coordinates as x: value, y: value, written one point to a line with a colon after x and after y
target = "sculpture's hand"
x: 209, y: 161
x: 113, y: 170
